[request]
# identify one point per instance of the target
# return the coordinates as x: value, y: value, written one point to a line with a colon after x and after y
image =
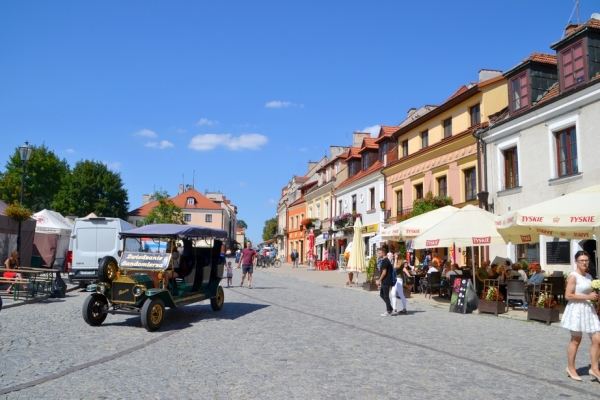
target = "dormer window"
x: 519, y: 92
x: 191, y: 201
x: 572, y: 65
x: 328, y: 174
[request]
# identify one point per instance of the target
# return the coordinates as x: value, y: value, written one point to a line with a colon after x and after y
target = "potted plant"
x: 18, y: 212
x: 370, y: 284
x: 544, y: 307
x: 492, y: 301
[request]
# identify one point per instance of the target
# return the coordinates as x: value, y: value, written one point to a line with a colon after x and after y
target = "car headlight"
x: 102, y: 287
x: 138, y: 290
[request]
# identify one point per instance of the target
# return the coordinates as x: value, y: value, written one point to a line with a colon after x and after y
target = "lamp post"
x: 24, y: 153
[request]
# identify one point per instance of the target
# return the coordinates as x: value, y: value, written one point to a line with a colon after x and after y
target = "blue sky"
x: 242, y: 93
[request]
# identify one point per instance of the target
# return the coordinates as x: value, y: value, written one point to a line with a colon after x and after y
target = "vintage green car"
x: 173, y: 265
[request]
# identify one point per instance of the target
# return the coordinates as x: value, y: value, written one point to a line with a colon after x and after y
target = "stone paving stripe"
x: 409, y: 343
x: 79, y: 367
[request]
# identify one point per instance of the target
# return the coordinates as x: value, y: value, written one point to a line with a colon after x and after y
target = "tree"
x: 270, y: 229
x: 166, y: 212
x: 44, y: 173
x: 92, y: 187
x: 242, y: 224
x: 426, y: 204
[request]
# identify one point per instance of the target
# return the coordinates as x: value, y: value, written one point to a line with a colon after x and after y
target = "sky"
x: 238, y: 96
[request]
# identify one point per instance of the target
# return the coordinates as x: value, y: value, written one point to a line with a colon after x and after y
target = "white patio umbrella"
x: 356, y: 261
x: 572, y: 216
x: 414, y: 226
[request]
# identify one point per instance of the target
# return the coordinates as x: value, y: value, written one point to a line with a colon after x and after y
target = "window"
x: 340, y: 209
x: 353, y: 165
x: 419, y: 191
x: 519, y: 92
x: 566, y: 152
x: 383, y: 149
x: 187, y: 217
x: 572, y: 65
x: 365, y: 161
x: 448, y: 127
x: 309, y: 212
x: 475, y: 115
x: 372, y: 198
x: 326, y: 209
x: 208, y: 218
x: 404, y: 148
x: 328, y: 174
x: 511, y: 170
x: 337, y: 168
x: 318, y: 211
x: 442, y: 186
x: 530, y: 252
x: 353, y: 203
x: 470, y: 184
x: 424, y: 139
x: 399, y: 207
x: 291, y: 222
x: 190, y: 200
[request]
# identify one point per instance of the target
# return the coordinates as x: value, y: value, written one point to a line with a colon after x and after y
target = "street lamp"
x: 24, y: 153
x: 382, y: 204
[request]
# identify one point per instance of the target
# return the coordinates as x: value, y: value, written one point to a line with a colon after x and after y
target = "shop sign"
x: 370, y: 228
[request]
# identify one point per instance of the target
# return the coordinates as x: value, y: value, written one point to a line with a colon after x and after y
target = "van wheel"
x: 91, y: 310
x: 216, y: 303
x: 107, y: 269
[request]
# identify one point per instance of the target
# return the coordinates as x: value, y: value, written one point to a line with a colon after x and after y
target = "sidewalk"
x: 339, y: 279
x: 8, y: 302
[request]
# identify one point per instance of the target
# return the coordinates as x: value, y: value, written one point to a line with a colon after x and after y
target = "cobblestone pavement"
x: 285, y: 338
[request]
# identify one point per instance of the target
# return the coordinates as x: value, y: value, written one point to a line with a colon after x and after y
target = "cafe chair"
x: 515, y: 290
x: 433, y: 283
x: 558, y: 287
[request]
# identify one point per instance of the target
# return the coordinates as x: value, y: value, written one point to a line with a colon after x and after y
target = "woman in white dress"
x: 580, y: 316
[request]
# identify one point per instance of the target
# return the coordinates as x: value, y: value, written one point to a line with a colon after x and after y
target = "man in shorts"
x: 247, y: 261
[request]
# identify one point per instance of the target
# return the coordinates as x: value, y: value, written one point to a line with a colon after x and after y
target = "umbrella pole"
x: 473, y: 267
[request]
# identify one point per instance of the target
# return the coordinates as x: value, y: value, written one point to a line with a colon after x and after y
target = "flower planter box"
x: 370, y: 286
x: 406, y: 293
x: 547, y: 315
x: 493, y: 307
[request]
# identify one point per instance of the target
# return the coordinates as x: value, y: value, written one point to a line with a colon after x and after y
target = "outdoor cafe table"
x: 30, y: 276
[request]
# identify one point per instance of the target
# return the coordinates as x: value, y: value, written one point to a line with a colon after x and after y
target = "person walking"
x: 247, y: 262
x: 385, y: 282
x: 580, y: 316
x: 398, y: 289
x: 229, y: 273
x: 294, y: 257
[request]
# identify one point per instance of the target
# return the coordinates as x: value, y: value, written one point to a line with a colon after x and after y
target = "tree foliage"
x: 242, y: 224
x: 92, y: 187
x: 44, y: 174
x: 426, y: 204
x: 166, y: 212
x: 270, y: 229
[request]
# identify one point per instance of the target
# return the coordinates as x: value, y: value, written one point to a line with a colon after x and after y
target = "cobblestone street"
x: 285, y: 338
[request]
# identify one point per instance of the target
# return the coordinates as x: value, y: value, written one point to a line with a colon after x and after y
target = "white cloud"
x: 70, y: 151
x: 303, y: 149
x: 209, y: 141
x: 163, y: 144
x: 112, y: 165
x: 373, y: 130
x: 208, y: 122
x: 282, y: 104
x: 145, y: 133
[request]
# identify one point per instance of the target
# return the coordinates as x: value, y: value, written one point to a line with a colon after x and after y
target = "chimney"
x: 145, y: 199
x: 357, y: 138
x: 411, y: 111
x: 180, y: 188
x: 570, y: 28
x: 485, y: 74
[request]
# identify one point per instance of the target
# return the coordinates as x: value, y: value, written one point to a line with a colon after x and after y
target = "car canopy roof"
x: 176, y: 231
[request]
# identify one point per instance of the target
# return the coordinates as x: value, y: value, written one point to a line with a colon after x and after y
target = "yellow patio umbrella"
x: 356, y: 262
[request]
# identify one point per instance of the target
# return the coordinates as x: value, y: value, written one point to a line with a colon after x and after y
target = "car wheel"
x: 217, y: 302
x: 92, y: 314
x: 153, y: 314
x: 107, y: 269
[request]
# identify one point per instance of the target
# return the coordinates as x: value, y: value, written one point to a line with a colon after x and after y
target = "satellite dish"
x: 596, y: 16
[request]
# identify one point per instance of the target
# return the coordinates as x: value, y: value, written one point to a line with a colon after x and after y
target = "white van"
x: 91, y: 240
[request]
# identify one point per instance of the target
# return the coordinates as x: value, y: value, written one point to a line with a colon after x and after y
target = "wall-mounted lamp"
x: 483, y: 197
x: 382, y: 204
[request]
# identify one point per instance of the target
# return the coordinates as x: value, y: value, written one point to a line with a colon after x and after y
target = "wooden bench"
x: 35, y: 277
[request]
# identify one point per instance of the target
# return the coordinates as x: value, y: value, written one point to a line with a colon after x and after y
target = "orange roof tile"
x: 460, y: 91
x: 297, y: 202
x: 353, y: 153
x: 361, y: 174
x: 550, y: 94
x: 591, y: 23
x: 200, y: 202
x: 368, y: 144
x: 542, y: 58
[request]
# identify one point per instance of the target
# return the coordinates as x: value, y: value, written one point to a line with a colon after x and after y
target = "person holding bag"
x: 398, y: 288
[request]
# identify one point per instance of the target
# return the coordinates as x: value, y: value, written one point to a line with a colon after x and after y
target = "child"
x: 229, y: 273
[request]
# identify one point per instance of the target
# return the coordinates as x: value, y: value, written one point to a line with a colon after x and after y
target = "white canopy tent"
x: 414, y: 226
x: 51, y: 240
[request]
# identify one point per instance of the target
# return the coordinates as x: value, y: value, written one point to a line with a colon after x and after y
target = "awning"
x: 375, y: 240
x: 322, y: 238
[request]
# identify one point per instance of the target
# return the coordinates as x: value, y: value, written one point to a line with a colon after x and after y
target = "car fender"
x: 162, y: 294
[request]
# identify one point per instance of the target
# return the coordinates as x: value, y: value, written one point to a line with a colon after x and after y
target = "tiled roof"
x: 460, y: 91
x: 386, y: 132
x: 297, y: 202
x: 376, y: 167
x: 498, y: 116
x: 592, y: 23
x: 542, y: 58
x: 301, y: 179
x: 308, y: 185
x: 368, y: 144
x: 200, y: 202
x: 353, y: 153
x: 550, y: 94
x: 343, y: 156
